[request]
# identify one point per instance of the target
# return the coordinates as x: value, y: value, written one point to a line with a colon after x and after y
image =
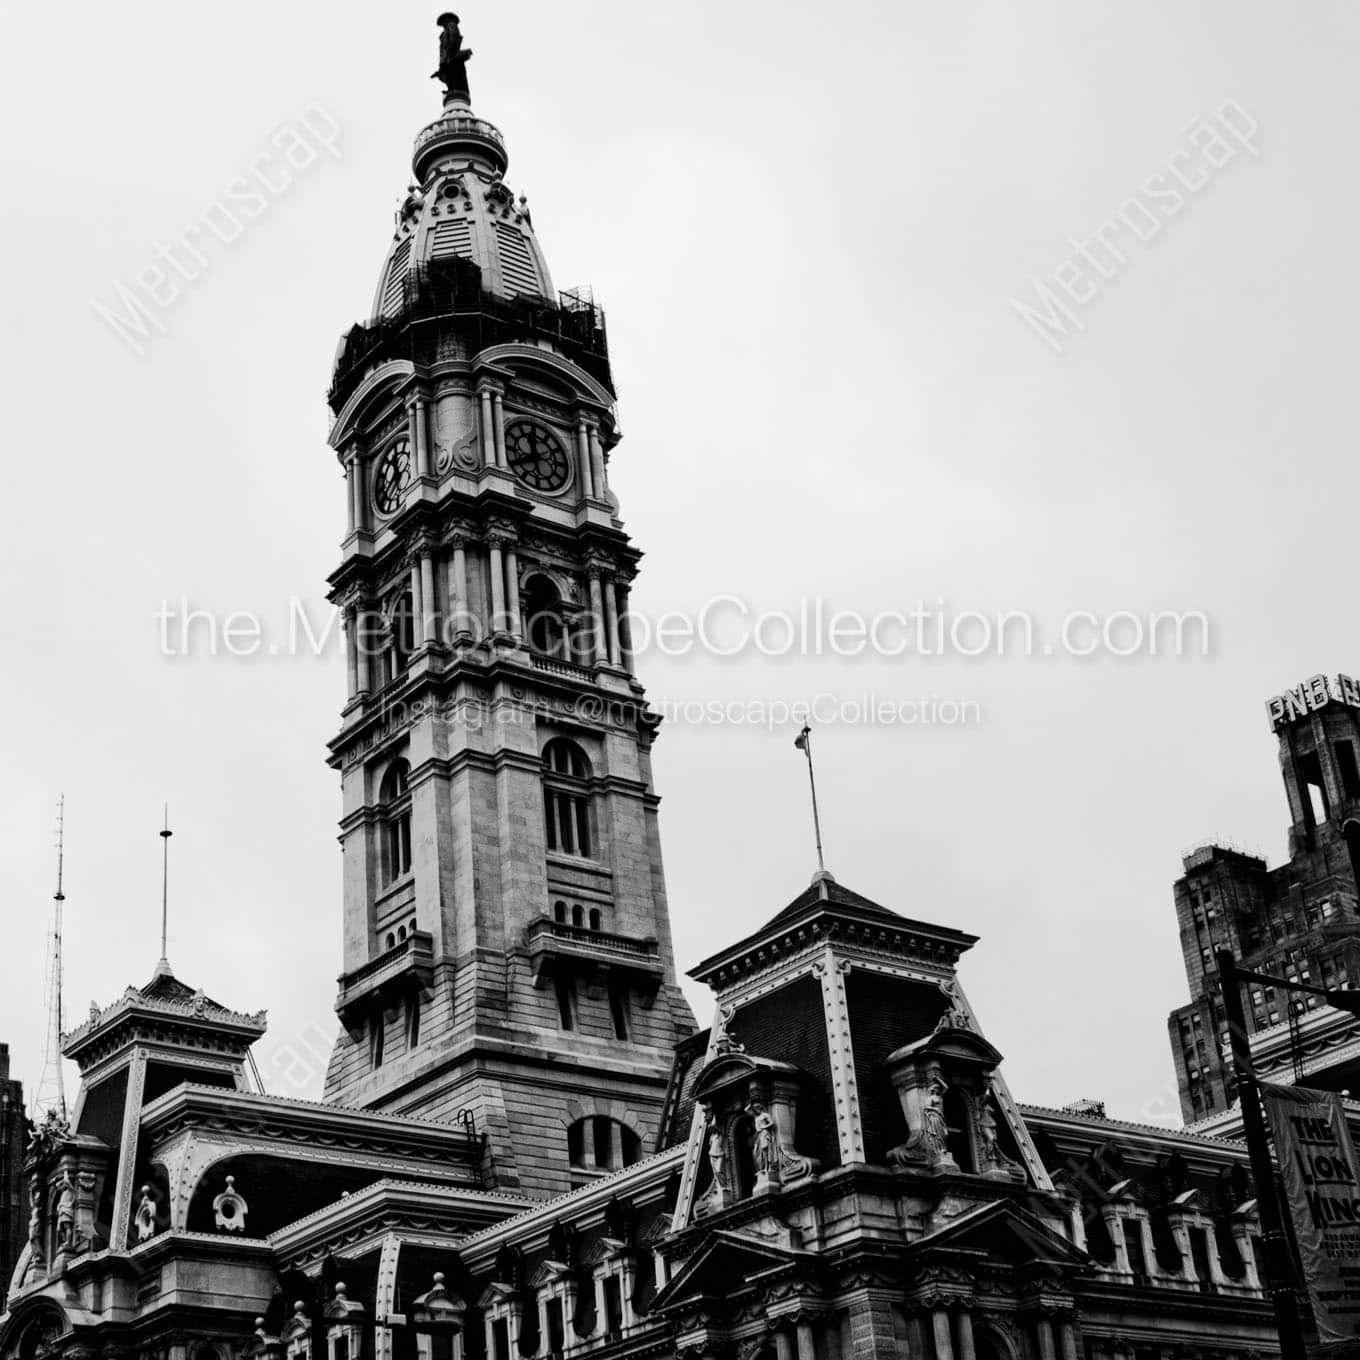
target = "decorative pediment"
x: 1001, y: 1232
x: 496, y: 1294
x: 1128, y: 1191
x: 548, y: 1272
x: 298, y: 1327
x: 1191, y: 1201
x: 603, y: 1249
x: 728, y: 1263
x: 737, y: 1069
x: 950, y: 1044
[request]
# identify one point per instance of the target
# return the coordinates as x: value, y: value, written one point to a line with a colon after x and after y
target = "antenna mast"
x: 51, y: 1093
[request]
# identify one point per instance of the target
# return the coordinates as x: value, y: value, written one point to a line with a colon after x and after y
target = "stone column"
x: 351, y: 652
x: 783, y: 1344
x: 497, y: 586
x: 964, y: 1322
x: 1044, y: 1330
x: 625, y: 632
x: 417, y: 604
x: 356, y: 489
x: 460, y: 613
x: 351, y: 493
x: 611, y: 622
x: 488, y: 437
x: 1067, y: 1339
x: 512, y: 591
x: 597, y: 464
x: 596, y: 617
x: 498, y: 428
x: 418, y: 427
x: 807, y: 1346
x: 361, y: 646
x: 583, y: 460
x: 944, y: 1345
x: 429, y: 618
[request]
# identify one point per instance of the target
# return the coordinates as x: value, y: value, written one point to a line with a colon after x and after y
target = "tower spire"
x: 50, y: 1099
x: 164, y: 965
x: 803, y: 741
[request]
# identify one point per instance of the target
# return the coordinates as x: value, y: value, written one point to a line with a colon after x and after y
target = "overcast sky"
x: 808, y: 226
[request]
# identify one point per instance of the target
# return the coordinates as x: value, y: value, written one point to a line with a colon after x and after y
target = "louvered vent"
x: 452, y: 237
x: 396, y: 275
x: 517, y: 263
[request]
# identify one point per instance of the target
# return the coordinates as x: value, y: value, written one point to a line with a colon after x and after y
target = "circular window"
x: 393, y: 478
x: 536, y: 457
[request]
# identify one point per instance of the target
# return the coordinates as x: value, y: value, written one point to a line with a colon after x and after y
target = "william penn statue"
x: 453, y: 60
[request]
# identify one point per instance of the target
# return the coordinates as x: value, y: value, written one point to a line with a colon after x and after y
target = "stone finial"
x: 230, y: 1209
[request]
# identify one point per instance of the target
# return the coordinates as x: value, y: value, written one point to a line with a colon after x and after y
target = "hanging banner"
x: 1321, y: 1179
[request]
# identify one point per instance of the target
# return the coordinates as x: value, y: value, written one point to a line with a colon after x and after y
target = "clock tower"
x: 507, y: 949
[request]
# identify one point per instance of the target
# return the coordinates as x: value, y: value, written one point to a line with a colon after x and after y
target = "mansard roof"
x: 164, y: 1000
x: 826, y: 909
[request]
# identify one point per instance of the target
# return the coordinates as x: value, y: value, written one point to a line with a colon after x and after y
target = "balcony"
x: 405, y: 968
x: 555, y: 947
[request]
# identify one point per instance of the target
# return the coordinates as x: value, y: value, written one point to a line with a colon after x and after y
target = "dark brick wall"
x: 790, y: 1026
x: 885, y: 1013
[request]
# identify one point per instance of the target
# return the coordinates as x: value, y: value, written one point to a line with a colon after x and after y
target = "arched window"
x: 577, y: 915
x: 391, y: 940
x: 545, y: 626
x: 566, y: 798
x: 594, y: 918
x: 395, y: 797
x: 598, y: 1143
x: 560, y: 913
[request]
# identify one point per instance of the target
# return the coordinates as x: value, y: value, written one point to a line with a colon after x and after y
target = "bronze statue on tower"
x: 453, y: 60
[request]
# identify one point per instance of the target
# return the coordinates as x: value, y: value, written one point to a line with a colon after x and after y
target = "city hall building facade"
x: 526, y: 1148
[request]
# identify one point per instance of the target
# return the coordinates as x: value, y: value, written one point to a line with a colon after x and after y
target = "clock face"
x: 536, y: 457
x: 393, y: 477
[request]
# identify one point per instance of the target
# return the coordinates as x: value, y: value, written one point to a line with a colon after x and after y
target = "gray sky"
x: 807, y: 226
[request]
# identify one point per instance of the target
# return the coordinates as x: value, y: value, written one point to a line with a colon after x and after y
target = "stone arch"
x: 517, y: 356
x: 993, y: 1341
x: 279, y: 1186
x: 373, y: 388
x: 32, y: 1328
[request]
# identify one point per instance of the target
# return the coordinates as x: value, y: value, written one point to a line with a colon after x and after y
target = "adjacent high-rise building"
x: 506, y: 940
x: 13, y: 1146
x: 1299, y: 921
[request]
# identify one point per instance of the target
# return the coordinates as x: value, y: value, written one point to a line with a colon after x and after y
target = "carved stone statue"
x: 934, y: 1129
x: 35, y: 1197
x: 928, y: 1141
x: 453, y: 59
x: 717, y: 1156
x: 66, y: 1211
x: 764, y: 1145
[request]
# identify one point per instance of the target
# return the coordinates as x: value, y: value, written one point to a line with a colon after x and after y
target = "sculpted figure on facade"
x: 35, y: 1219
x: 764, y: 1140
x: 66, y: 1211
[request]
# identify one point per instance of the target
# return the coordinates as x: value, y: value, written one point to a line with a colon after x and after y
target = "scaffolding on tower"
x: 49, y: 1101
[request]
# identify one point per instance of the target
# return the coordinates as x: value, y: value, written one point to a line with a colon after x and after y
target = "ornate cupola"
x: 458, y: 206
x: 502, y: 864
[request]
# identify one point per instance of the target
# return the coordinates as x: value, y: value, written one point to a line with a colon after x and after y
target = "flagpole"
x: 804, y: 743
